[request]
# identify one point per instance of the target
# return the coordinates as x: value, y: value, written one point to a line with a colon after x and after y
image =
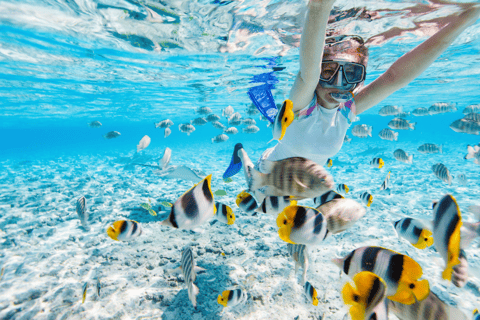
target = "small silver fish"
x: 231, y: 130
x: 473, y: 152
x: 187, y: 264
x: 385, y: 185
x: 390, y: 111
x: 164, y: 124
x: 462, y: 126
x: 218, y: 125
x: 420, y: 112
x: 387, y: 134
x: 362, y: 130
x: 251, y: 129
x: 112, y: 134
x: 347, y: 139
x: 167, y: 155
x: 168, y: 131
x: 430, y: 148
x: 462, y: 179
x: 186, y: 128
x: 402, y: 156
x: 248, y: 122
x: 213, y: 117
x: 442, y: 173
x: 144, y: 142
x: 227, y: 111
x: 299, y: 254
x: 401, y: 124
x: 82, y: 212
x: 474, y: 108
x: 199, y: 121
x: 95, y: 124
x: 220, y: 138
x: 442, y: 107
x: 203, y: 110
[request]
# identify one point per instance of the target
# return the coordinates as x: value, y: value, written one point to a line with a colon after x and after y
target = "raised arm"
x: 413, y: 63
x: 311, y: 52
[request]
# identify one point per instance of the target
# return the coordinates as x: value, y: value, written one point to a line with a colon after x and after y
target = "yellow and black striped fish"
x: 367, y: 198
x: 230, y: 298
x: 225, y: 213
x: 326, y: 197
x: 274, y: 205
x: 194, y: 207
x: 310, y: 293
x: 400, y: 272
x: 302, y: 225
x: 124, y: 230
x: 342, y: 188
x: 246, y: 202
x: 415, y: 232
x: 377, y: 163
x: 283, y: 119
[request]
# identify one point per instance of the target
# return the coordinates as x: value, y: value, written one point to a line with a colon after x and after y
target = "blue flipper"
x: 262, y: 98
x: 236, y: 163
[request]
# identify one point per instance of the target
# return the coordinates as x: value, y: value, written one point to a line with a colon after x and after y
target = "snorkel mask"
x: 343, y: 64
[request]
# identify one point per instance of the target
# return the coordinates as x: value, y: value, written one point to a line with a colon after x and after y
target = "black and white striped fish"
x: 300, y: 255
x: 342, y: 188
x: 193, y: 208
x: 400, y: 272
x: 385, y: 185
x: 377, y: 163
x: 387, y: 134
x: 414, y: 232
x: 230, y: 298
x: 470, y: 127
x: 401, y: 124
x: 187, y: 264
x: 302, y: 225
x: 367, y: 198
x: 224, y: 213
x: 274, y: 205
x: 124, y: 230
x: 447, y: 221
x: 326, y: 197
x: 442, y: 173
x: 431, y: 308
x: 246, y: 202
x: 367, y: 297
x: 82, y: 212
x: 310, y: 293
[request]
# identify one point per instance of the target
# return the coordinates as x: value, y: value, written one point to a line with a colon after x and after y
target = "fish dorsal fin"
x: 267, y: 166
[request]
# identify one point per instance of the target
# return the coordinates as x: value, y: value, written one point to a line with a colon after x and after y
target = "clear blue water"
x: 129, y: 64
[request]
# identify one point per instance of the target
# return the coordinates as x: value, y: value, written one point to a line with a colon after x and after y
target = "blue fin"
x: 262, y: 98
x: 236, y: 163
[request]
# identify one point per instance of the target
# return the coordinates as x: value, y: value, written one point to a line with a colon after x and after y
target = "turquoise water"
x: 128, y: 64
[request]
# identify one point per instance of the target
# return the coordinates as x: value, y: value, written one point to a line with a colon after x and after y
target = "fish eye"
x: 426, y: 239
x: 355, y: 298
x: 411, y: 286
x: 285, y: 221
x: 285, y: 119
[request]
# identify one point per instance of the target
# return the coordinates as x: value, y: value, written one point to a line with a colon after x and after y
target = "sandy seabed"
x: 48, y: 257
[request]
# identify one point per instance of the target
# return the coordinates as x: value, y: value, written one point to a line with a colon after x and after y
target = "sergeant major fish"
x: 112, y: 135
x: 442, y: 173
x: 227, y: 111
x: 164, y: 124
x: 203, y: 110
x: 362, y: 131
x: 249, y: 122
x: 390, y: 110
x: 212, y: 117
x: 193, y: 208
x: 302, y: 225
x: 95, y: 124
x: 218, y: 125
x: 187, y: 264
x: 473, y: 108
x: 199, y: 121
x: 367, y: 298
x: 231, y: 130
x: 82, y: 212
x: 430, y: 148
x: 473, y: 117
x: 420, y: 112
x: 186, y: 128
x: 400, y: 272
x: 299, y: 254
x: 402, y: 156
x: 462, y: 126
x: 220, y: 138
x: 251, y: 129
x: 401, y: 124
x: 442, y: 107
x: 387, y: 134
x: 298, y: 177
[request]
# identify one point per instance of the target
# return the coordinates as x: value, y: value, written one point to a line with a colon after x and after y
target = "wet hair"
x: 346, y: 47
